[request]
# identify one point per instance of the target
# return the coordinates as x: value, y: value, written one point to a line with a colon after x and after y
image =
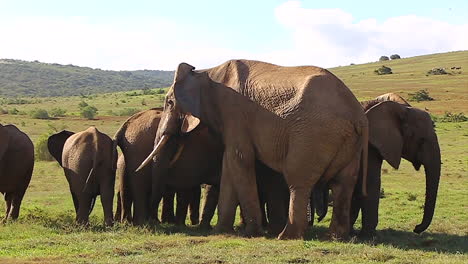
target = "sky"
x: 158, y: 35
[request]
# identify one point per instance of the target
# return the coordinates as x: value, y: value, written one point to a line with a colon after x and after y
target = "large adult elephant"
x: 199, y: 163
x: 88, y: 159
x: 300, y: 121
x: 16, y: 167
x: 397, y: 130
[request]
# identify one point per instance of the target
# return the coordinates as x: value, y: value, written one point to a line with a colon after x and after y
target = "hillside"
x: 23, y: 78
x: 450, y: 91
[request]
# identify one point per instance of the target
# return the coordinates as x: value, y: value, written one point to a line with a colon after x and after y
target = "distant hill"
x: 24, y: 78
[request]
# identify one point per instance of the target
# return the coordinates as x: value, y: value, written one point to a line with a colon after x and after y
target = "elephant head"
x: 180, y: 116
x: 55, y: 144
x: 397, y: 131
x: 4, y: 141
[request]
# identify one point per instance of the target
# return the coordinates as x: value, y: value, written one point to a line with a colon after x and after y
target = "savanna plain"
x: 46, y: 232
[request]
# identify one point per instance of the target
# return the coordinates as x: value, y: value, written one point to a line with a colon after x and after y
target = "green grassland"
x: 46, y: 233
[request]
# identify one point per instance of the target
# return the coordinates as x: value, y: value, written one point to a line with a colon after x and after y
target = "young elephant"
x: 16, y: 167
x: 88, y: 159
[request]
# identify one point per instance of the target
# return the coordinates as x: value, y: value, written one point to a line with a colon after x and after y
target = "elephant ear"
x: 187, y: 89
x: 4, y: 140
x: 190, y: 123
x: 385, y: 130
x: 55, y: 144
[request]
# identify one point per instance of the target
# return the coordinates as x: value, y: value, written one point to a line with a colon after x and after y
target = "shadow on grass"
x: 405, y: 240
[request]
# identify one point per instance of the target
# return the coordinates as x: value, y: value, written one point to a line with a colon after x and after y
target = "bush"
x: 395, y: 57
x: 57, y: 112
x: 13, y: 111
x: 383, y: 70
x: 449, y: 117
x: 39, y: 114
x: 437, y: 71
x: 82, y: 104
x: 89, y: 112
x: 384, y: 58
x: 40, y: 148
x: 160, y: 91
x: 421, y: 95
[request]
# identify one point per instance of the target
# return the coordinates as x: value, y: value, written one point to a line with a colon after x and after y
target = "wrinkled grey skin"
x: 88, y: 159
x: 265, y: 112
x: 396, y: 130
x: 16, y: 167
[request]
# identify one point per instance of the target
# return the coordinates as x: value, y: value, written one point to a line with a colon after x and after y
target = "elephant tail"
x: 364, y: 157
x: 91, y: 179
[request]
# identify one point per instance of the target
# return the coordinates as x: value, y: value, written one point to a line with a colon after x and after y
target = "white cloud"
x: 331, y: 37
x: 322, y: 37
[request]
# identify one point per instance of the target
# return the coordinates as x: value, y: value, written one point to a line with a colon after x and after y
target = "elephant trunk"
x: 432, y: 170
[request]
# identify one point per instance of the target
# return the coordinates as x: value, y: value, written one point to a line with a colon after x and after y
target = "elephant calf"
x: 88, y: 159
x: 16, y: 167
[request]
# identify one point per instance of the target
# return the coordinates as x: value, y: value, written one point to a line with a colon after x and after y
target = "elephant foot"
x: 337, y: 236
x: 367, y: 234
x: 252, y: 231
x: 194, y: 221
x: 274, y: 230
x: 205, y: 226
x: 168, y: 220
x: 223, y: 229
x: 288, y: 233
x: 109, y: 222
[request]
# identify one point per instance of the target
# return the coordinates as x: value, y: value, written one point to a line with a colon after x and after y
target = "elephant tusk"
x: 177, y: 155
x: 153, y: 153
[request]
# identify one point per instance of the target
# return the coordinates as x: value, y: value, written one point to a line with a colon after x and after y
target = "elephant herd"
x: 273, y: 140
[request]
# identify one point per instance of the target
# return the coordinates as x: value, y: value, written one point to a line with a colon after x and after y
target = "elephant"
x: 16, y: 167
x: 88, y: 159
x: 135, y: 138
x: 396, y: 130
x: 281, y: 116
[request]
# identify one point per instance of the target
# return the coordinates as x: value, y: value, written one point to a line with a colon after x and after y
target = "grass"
x: 46, y: 232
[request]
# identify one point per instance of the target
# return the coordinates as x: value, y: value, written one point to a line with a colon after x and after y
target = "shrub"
x: 384, y: 58
x: 383, y: 70
x: 160, y: 91
x: 89, y: 112
x: 437, y: 71
x: 395, y: 57
x: 13, y: 111
x: 39, y: 114
x: 40, y: 148
x: 421, y: 95
x: 449, y: 117
x: 82, y: 104
x: 57, y: 112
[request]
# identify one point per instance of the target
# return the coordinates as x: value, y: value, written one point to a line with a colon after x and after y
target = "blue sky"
x: 127, y: 35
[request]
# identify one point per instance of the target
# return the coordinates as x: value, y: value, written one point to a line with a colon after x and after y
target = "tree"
x: 89, y: 112
x: 384, y: 58
x: 395, y: 57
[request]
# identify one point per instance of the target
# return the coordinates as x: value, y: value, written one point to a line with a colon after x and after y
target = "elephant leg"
x: 311, y: 207
x: 85, y: 203
x: 17, y: 198
x: 209, y: 205
x: 227, y: 203
x: 194, y: 205
x: 8, y: 201
x: 277, y: 200
x: 118, y: 208
x: 355, y: 206
x: 75, y: 201
x: 140, y: 208
x: 167, y: 214
x: 107, y: 198
x: 182, y: 199
x: 370, y: 204
x: 239, y: 183
x: 342, y: 188
x: 297, y: 220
